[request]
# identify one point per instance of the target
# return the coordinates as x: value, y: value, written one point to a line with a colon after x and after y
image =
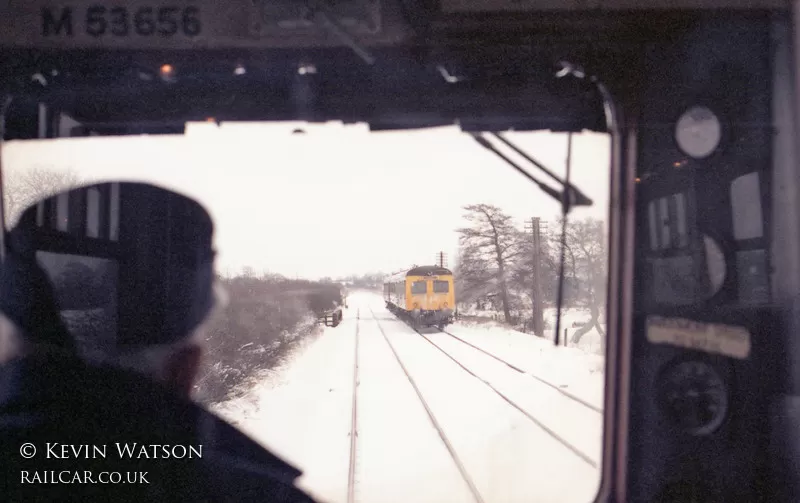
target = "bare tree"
x: 522, y: 275
x: 488, y: 249
x: 586, y: 265
x: 472, y: 276
x: 23, y: 188
x: 571, y: 281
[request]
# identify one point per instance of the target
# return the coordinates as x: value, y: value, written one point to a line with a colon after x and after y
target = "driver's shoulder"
x: 56, y: 399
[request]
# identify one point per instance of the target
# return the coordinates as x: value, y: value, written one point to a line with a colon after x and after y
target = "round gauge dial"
x: 694, y: 397
x: 698, y: 132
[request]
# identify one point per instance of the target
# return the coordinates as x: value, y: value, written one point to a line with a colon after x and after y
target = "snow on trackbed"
x: 490, y: 450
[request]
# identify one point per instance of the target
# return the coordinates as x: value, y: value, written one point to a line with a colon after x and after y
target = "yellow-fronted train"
x: 423, y: 295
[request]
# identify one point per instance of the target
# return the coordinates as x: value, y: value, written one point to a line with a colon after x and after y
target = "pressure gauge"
x: 698, y: 132
x: 694, y: 397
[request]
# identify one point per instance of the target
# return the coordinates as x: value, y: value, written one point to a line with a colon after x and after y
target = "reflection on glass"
x: 86, y: 293
x: 753, y: 276
x: 62, y: 212
x: 664, y: 213
x: 667, y: 222
x: 653, y: 227
x: 114, y: 209
x: 746, y: 206
x: 715, y: 263
x: 680, y: 214
x: 93, y: 213
x: 674, y: 280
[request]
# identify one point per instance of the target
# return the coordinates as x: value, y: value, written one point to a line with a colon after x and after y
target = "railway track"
x: 550, y: 431
x: 451, y: 450
x: 529, y: 374
x: 470, y: 483
x: 351, y: 475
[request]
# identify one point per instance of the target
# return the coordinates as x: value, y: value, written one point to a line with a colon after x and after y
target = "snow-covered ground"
x: 548, y: 453
x: 581, y: 371
x: 571, y: 320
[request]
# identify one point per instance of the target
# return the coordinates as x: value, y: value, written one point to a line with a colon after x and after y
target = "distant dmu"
x: 423, y: 295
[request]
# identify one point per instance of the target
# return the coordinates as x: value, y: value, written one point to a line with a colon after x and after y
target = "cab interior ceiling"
x: 394, y: 92
x: 447, y: 71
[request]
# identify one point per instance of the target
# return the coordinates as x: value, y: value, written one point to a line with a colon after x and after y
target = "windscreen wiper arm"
x: 319, y: 13
x: 577, y: 198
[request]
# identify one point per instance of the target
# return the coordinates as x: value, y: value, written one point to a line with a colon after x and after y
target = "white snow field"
x: 486, y: 431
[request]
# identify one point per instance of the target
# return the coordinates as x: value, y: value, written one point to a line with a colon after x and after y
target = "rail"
x: 575, y: 450
x: 534, y: 376
x: 559, y: 438
x: 351, y: 476
x: 456, y: 459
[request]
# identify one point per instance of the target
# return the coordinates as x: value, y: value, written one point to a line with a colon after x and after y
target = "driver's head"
x: 158, y: 282
x: 175, y: 362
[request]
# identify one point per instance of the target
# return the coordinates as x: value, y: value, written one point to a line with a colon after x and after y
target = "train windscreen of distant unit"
x: 419, y: 287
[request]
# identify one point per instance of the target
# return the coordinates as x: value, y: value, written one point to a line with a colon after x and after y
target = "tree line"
x: 369, y: 281
x: 495, y: 265
x: 23, y: 188
x: 265, y: 318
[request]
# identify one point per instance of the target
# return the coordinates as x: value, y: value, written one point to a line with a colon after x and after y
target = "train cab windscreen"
x: 450, y: 260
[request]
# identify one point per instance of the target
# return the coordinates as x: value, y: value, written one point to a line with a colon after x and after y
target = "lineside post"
x: 441, y: 259
x: 536, y: 293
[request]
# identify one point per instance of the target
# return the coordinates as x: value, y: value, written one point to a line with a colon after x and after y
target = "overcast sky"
x: 338, y: 200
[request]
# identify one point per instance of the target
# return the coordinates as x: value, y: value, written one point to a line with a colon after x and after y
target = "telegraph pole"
x: 536, y: 294
x: 440, y: 260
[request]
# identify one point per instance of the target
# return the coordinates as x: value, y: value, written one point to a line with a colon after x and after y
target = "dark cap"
x: 154, y: 281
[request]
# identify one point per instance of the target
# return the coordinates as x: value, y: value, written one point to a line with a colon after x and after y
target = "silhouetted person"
x: 99, y: 419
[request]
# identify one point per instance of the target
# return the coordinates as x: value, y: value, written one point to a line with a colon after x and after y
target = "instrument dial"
x: 694, y: 397
x: 698, y: 132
